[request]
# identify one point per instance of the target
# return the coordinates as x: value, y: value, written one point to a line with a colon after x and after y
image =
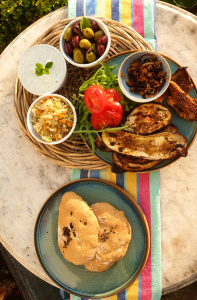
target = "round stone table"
x: 27, y: 178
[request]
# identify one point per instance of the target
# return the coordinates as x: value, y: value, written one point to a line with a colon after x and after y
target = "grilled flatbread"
x: 77, y: 229
x: 114, y: 237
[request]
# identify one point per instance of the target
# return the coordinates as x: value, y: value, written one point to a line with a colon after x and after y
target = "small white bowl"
x: 124, y: 70
x: 41, y: 85
x: 30, y: 125
x: 101, y: 58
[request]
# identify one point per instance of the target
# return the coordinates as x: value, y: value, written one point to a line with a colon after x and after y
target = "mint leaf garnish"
x: 40, y: 70
x: 84, y: 23
x: 49, y: 65
x: 46, y: 71
x: 39, y: 66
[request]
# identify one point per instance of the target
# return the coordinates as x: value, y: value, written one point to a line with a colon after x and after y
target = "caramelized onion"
x: 146, y: 76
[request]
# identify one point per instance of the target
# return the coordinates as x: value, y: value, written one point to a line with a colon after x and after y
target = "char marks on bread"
x: 114, y: 237
x: 95, y: 236
x: 77, y: 229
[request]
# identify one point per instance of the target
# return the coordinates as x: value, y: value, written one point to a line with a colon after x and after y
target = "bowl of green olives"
x: 85, y: 41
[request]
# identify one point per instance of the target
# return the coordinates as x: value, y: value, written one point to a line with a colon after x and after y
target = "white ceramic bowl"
x: 40, y: 85
x: 101, y: 58
x: 124, y: 70
x: 33, y: 131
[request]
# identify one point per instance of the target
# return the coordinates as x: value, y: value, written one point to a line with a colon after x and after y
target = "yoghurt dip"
x: 46, y: 83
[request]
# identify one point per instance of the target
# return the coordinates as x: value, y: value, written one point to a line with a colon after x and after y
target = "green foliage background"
x: 182, y: 3
x: 17, y: 15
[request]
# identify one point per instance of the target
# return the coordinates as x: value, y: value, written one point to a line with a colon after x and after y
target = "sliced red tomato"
x: 113, y: 95
x: 115, y: 106
x: 106, y: 119
x: 96, y: 99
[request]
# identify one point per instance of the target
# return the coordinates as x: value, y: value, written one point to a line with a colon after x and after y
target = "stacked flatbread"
x: 95, y: 236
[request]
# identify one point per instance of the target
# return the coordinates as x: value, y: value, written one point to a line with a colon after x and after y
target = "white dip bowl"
x: 40, y: 85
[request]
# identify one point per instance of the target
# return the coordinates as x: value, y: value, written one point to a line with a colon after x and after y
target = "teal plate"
x: 77, y: 279
x: 186, y: 128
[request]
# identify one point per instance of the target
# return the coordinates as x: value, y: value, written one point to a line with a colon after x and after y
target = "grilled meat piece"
x: 182, y: 79
x: 131, y: 163
x: 184, y: 105
x: 159, y: 146
x: 161, y: 98
x: 148, y: 118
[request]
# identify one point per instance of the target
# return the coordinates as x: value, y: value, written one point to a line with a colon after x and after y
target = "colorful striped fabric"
x: 145, y: 188
x: 139, y: 14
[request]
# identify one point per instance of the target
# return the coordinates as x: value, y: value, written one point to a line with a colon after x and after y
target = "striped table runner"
x: 139, y: 14
x: 145, y: 188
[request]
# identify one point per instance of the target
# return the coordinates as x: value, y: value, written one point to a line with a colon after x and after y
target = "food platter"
x: 186, y: 128
x: 73, y: 153
x: 77, y: 279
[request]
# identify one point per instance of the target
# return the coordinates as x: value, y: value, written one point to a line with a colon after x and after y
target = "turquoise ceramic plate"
x: 77, y: 279
x: 186, y: 128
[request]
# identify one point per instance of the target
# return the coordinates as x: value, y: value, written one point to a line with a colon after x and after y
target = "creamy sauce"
x: 40, y: 85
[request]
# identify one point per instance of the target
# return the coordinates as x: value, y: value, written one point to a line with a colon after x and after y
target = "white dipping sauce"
x: 42, y: 54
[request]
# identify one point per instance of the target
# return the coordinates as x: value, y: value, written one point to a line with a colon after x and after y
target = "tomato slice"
x: 115, y: 106
x: 106, y: 119
x: 113, y: 95
x: 96, y: 99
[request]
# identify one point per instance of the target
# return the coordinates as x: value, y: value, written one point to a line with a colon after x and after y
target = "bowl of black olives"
x: 85, y: 41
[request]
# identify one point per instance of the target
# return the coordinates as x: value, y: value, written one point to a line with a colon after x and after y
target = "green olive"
x: 93, y: 46
x: 88, y: 33
x: 78, y: 56
x: 98, y: 34
x: 84, y: 44
x: 68, y: 34
x: 75, y: 49
x: 90, y: 56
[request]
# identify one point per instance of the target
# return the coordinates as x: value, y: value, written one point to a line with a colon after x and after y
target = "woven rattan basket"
x: 75, y: 153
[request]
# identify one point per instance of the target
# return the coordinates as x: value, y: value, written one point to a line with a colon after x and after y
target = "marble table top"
x: 27, y: 178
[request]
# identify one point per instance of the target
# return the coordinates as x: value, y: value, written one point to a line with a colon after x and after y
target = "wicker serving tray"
x: 75, y: 153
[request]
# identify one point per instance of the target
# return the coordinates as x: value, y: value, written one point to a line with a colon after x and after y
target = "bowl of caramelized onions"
x: 144, y: 76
